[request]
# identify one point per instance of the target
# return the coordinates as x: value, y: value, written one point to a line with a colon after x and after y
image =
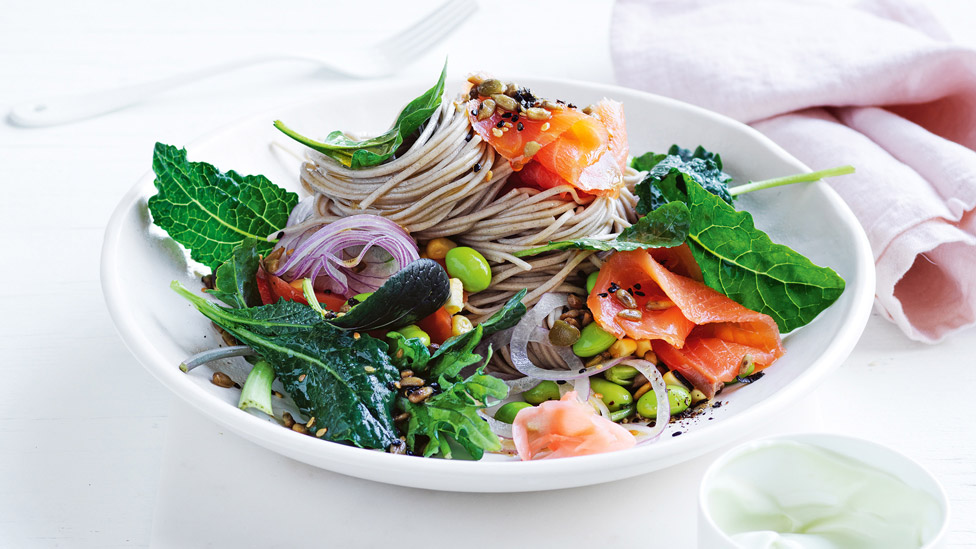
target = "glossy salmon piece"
x: 611, y: 113
x: 566, y: 428
x: 512, y: 141
x: 703, y: 334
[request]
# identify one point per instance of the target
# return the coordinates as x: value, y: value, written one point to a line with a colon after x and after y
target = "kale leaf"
x: 235, y: 281
x: 701, y: 166
x: 210, y: 213
x: 343, y: 381
x: 374, y: 151
x: 664, y: 227
x: 741, y: 261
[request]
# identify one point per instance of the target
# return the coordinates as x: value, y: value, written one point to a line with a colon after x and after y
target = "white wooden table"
x: 82, y: 424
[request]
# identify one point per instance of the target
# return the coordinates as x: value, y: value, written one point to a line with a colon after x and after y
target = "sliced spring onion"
x: 257, y: 388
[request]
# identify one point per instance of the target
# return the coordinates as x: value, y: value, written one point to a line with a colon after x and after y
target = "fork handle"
x: 70, y: 108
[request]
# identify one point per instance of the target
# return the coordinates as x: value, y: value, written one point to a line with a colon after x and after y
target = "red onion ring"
x: 660, y: 391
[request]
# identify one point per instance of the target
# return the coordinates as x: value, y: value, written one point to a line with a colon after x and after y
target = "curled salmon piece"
x: 566, y: 428
x: 697, y: 331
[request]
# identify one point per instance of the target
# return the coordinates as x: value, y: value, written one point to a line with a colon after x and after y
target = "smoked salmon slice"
x: 697, y: 331
x: 504, y: 135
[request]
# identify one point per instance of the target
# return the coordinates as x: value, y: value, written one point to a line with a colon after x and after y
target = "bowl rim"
x: 547, y: 471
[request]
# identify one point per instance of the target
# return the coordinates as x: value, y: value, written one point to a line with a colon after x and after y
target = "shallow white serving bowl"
x: 161, y: 329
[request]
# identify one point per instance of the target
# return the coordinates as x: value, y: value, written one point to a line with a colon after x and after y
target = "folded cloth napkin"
x: 878, y: 85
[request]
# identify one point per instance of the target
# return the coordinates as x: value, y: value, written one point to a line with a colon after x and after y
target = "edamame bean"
x: 470, y: 267
x: 613, y: 395
x: 591, y: 281
x: 413, y: 331
x: 621, y: 375
x: 508, y: 411
x: 593, y: 341
x: 547, y: 390
x: 678, y: 398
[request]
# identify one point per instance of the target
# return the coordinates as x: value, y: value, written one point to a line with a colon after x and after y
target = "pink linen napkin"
x: 877, y: 85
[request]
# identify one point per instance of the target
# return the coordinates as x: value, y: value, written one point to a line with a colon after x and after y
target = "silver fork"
x: 381, y: 59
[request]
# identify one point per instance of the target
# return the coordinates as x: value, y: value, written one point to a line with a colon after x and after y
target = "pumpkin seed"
x: 505, y: 102
x: 490, y: 87
x: 476, y: 79
x: 552, y: 105
x: 563, y: 334
x: 487, y: 109
x: 658, y: 305
x: 535, y: 113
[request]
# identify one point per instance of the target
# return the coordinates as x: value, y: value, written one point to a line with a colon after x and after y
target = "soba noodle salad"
x: 497, y: 272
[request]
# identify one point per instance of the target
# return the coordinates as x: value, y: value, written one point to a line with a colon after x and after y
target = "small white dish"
x: 818, y: 488
x: 161, y: 329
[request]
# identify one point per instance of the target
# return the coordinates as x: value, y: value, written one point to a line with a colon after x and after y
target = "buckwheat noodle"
x: 450, y: 183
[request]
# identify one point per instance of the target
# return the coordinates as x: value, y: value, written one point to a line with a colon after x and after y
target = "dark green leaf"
x: 455, y: 354
x: 413, y: 293
x: 453, y: 414
x: 408, y: 353
x: 664, y: 227
x: 235, y: 282
x: 342, y: 381
x: 700, y: 166
x: 210, y: 213
x: 374, y: 151
x: 506, y: 317
x: 742, y: 262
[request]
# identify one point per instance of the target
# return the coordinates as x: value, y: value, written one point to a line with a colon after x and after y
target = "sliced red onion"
x: 600, y: 406
x: 663, y: 404
x: 500, y: 428
x: 582, y: 386
x: 350, y: 256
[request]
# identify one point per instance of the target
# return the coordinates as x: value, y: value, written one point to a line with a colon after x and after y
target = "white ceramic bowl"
x: 161, y: 329
x: 881, y: 458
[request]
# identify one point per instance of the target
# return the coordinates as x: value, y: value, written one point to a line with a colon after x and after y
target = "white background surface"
x: 82, y: 426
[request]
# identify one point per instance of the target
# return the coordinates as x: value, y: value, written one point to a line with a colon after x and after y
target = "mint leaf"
x: 664, y: 227
x: 211, y: 213
x: 344, y: 382
x: 741, y: 261
x: 374, y: 151
x: 235, y: 281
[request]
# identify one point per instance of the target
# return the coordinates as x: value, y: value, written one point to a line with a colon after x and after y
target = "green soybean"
x: 507, y: 413
x: 593, y: 341
x: 547, y: 390
x: 678, y: 398
x: 591, y: 281
x: 613, y: 395
x: 413, y: 331
x: 621, y: 375
x: 470, y: 267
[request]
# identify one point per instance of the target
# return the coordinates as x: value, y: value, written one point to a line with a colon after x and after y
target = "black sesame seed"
x: 520, y: 127
x: 641, y: 294
x: 602, y: 294
x: 469, y: 136
x: 561, y: 381
x: 506, y: 115
x: 477, y: 167
x: 515, y: 117
x: 280, y: 235
x: 582, y: 370
x: 676, y: 433
x: 572, y: 106
x: 500, y: 124
x: 474, y: 113
x: 637, y: 286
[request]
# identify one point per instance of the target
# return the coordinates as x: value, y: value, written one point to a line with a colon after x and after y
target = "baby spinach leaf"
x: 235, y: 281
x: 456, y: 353
x: 506, y: 317
x: 664, y: 227
x: 701, y: 166
x: 742, y: 262
x: 344, y: 382
x: 453, y: 414
x: 413, y: 293
x: 374, y: 151
x: 209, y: 212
